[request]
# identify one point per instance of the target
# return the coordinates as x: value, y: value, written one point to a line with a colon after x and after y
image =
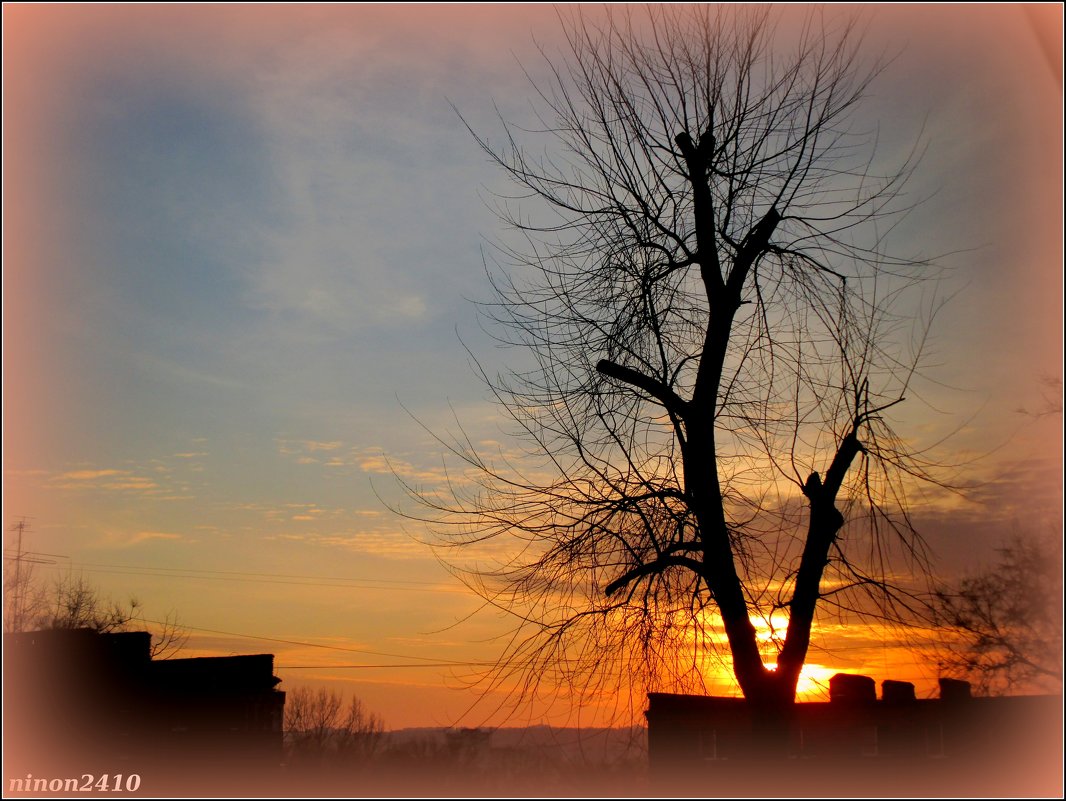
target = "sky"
x: 241, y: 245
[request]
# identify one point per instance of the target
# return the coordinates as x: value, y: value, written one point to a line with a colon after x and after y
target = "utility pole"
x: 17, y: 587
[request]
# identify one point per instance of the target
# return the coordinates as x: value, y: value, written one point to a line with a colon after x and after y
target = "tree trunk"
x: 771, y: 693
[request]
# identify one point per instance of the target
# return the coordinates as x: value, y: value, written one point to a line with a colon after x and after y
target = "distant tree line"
x: 322, y: 729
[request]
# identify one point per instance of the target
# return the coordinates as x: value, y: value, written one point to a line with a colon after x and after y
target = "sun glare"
x: 813, y: 682
x: 814, y: 678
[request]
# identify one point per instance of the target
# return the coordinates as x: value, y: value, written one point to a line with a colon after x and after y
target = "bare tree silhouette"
x: 715, y: 330
x: 1004, y: 624
x: 73, y: 602
x: 1051, y: 398
x: 1001, y: 627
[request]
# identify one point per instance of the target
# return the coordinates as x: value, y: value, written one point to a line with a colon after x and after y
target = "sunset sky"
x: 240, y: 248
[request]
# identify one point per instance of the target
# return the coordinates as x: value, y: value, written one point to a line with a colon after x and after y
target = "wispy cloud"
x: 89, y: 475
x: 105, y: 479
x: 371, y: 460
x: 128, y: 539
x: 179, y: 373
x: 294, y: 446
x: 166, y: 478
x: 394, y: 544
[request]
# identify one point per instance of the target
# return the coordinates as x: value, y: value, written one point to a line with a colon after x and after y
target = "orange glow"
x: 813, y: 681
x: 862, y: 649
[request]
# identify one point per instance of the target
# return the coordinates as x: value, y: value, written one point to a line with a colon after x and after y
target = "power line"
x: 19, y: 560
x: 268, y: 578
x: 223, y: 575
x: 317, y: 581
x: 257, y: 574
x: 40, y: 553
x: 320, y: 645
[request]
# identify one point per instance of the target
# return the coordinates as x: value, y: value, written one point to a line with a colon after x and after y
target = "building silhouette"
x: 84, y: 701
x: 868, y: 744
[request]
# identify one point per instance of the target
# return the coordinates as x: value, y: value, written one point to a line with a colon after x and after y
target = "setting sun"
x: 813, y: 682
